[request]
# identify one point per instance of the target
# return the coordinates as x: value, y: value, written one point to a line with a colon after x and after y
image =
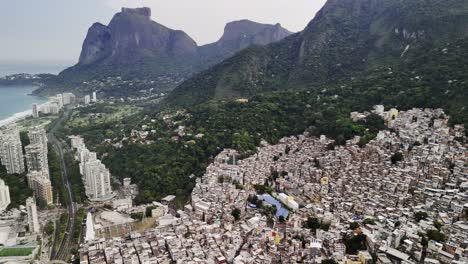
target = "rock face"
x: 132, y: 36
x: 239, y: 35
x: 133, y: 46
x: 346, y: 38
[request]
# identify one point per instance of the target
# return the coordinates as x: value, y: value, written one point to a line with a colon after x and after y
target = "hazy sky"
x: 52, y: 31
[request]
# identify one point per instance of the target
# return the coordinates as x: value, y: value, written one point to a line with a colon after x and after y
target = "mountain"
x: 346, y: 39
x: 133, y: 47
x: 239, y: 35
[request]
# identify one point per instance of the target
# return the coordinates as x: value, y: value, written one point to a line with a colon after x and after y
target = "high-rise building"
x: 36, y: 153
x: 41, y: 186
x: 43, y: 189
x: 36, y: 158
x: 11, y: 151
x: 68, y: 98
x: 94, y: 99
x: 37, y: 135
x: 33, y: 221
x: 35, y: 111
x: 96, y: 176
x: 4, y: 196
x: 87, y: 99
x: 97, y: 180
x: 37, y: 163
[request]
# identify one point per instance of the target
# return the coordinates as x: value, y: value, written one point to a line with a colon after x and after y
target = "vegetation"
x: 19, y: 189
x: 236, y: 213
x: 49, y: 228
x: 56, y: 179
x: 80, y: 216
x: 329, y: 261
x: 397, y: 157
x: 418, y: 216
x: 354, y: 243
x: 137, y: 216
x: 353, y: 226
x: 314, y: 224
x: 62, y: 225
x: 369, y: 221
x: 10, y: 252
x: 436, y: 235
x: 76, y: 181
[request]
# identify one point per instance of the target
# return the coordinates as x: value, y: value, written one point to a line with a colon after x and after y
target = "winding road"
x: 64, y: 249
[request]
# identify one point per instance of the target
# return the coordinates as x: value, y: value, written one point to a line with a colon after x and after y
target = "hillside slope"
x: 133, y: 47
x: 344, y: 40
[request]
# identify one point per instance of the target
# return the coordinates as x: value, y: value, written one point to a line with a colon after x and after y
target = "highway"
x: 63, y: 250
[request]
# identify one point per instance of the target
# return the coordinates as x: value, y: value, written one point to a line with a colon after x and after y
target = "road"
x: 64, y: 248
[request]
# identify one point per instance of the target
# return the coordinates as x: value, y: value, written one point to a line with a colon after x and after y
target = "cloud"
x: 204, y: 20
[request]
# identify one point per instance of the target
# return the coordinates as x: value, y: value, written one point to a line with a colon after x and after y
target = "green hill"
x: 351, y: 41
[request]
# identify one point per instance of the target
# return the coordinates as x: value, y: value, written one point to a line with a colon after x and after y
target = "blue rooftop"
x: 272, y: 201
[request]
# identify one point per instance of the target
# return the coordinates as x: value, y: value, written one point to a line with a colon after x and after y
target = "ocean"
x: 16, y: 100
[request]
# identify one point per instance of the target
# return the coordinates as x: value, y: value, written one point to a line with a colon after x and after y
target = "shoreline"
x: 15, y: 117
x: 18, y: 116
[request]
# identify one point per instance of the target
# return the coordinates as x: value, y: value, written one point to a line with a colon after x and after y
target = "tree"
x: 49, y: 228
x: 281, y: 219
x: 355, y: 243
x: 369, y: 221
x: 397, y: 157
x: 312, y: 223
x: 329, y: 261
x: 236, y: 213
x: 353, y: 226
x: 437, y: 225
x: 418, y: 216
x: 436, y: 235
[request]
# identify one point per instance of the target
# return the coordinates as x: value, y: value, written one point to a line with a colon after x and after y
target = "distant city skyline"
x: 51, y: 32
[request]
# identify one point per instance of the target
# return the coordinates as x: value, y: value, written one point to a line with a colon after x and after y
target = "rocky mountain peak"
x: 143, y: 11
x: 245, y: 28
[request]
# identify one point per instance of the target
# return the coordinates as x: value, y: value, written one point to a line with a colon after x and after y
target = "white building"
x: 36, y: 153
x: 97, y: 180
x: 33, y: 221
x: 76, y: 141
x: 87, y: 99
x: 4, y: 196
x: 96, y: 176
x: 68, y: 98
x: 11, y: 151
x: 94, y: 99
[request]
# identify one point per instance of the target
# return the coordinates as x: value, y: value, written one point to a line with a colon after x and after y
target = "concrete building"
x: 43, y: 189
x: 38, y: 135
x: 87, y: 99
x: 33, y: 221
x: 36, y: 158
x: 96, y: 176
x: 11, y: 152
x: 94, y: 98
x: 4, y: 196
x: 68, y: 98
x: 35, y: 111
x: 97, y: 179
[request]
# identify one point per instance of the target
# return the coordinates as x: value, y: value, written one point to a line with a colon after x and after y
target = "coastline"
x: 21, y: 115
x: 15, y: 117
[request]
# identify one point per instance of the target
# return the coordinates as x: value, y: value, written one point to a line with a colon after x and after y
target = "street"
x: 64, y: 248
